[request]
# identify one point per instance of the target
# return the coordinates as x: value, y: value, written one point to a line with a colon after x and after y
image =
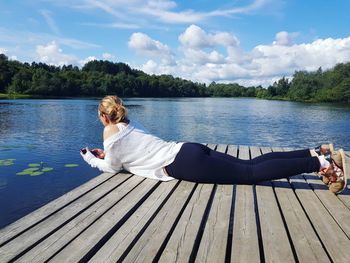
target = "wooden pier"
x: 125, y: 218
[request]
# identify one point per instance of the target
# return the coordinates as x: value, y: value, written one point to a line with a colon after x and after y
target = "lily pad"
x: 36, y: 173
x: 33, y: 169
x: 25, y: 173
x: 71, y: 165
x: 6, y: 162
x: 34, y: 164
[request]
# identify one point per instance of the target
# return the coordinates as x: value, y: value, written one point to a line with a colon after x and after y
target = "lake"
x: 40, y: 139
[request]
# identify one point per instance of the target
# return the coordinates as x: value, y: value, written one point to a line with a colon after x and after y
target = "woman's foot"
x: 335, y: 175
x: 322, y: 149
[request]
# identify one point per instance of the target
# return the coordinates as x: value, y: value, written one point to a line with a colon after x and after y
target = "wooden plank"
x: 274, y: 236
x: 41, y: 213
x: 333, y: 238
x: 114, y: 248
x: 338, y: 210
x: 245, y: 245
x: 244, y: 152
x: 147, y: 247
x: 84, y: 231
x: 53, y: 223
x: 182, y: 241
x: 308, y: 247
x: 345, y: 196
x: 214, y: 240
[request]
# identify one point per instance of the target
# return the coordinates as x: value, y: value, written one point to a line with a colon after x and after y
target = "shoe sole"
x: 331, y: 149
x: 345, y: 170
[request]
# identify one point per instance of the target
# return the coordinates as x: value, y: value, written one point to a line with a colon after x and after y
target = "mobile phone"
x: 94, y: 153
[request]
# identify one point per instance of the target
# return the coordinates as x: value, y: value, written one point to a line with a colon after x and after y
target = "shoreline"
x: 5, y: 96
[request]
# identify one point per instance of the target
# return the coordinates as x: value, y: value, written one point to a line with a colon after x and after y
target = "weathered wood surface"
x: 115, y: 218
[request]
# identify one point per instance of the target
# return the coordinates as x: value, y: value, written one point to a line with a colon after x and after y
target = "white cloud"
x: 23, y: 44
x: 52, y: 54
x: 284, y: 38
x: 86, y: 60
x: 165, y: 14
x: 161, y: 4
x: 50, y: 21
x: 6, y: 53
x: 3, y: 51
x: 161, y: 10
x: 108, y: 56
x: 146, y: 46
x: 254, y: 6
x: 151, y: 67
x: 276, y: 59
x: 202, y: 58
x: 14, y: 37
x: 196, y: 38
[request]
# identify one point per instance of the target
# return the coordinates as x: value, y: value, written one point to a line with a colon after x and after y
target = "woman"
x: 127, y: 145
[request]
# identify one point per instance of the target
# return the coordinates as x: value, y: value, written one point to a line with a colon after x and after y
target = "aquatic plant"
x: 47, y: 169
x: 6, y: 162
x: 35, y: 169
x: 71, y: 165
x: 34, y: 164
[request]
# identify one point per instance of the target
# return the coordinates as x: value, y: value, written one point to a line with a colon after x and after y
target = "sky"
x: 250, y: 42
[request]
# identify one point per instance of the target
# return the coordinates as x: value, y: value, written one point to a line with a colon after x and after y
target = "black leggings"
x: 198, y: 163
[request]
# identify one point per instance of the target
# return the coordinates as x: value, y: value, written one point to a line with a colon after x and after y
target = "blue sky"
x: 246, y: 41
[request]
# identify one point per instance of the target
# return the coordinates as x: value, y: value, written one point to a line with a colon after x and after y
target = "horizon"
x: 246, y: 42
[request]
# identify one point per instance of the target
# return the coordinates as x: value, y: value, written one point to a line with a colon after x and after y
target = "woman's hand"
x: 99, y: 153
x: 83, y: 151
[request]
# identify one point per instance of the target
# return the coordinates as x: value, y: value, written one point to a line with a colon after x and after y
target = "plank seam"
x: 54, y: 212
x: 140, y: 233
x: 284, y: 221
x: 285, y: 225
x: 202, y: 226
x: 231, y: 219
x: 257, y: 220
x: 329, y: 212
x: 64, y: 223
x: 114, y: 229
x: 258, y: 227
x: 230, y: 226
x: 162, y: 247
x: 312, y: 225
x: 102, y: 214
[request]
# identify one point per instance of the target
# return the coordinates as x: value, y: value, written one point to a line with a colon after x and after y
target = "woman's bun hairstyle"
x: 113, y: 107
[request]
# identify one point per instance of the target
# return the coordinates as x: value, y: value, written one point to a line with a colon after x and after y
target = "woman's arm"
x: 102, y: 164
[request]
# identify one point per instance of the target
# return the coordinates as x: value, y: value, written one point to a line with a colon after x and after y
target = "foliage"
x: 99, y: 78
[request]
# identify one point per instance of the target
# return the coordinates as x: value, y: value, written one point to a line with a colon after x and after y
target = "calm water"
x: 51, y: 132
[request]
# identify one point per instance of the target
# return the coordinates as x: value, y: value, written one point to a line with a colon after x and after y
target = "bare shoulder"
x: 109, y: 130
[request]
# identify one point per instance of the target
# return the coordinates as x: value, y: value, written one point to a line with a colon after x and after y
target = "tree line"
x: 98, y: 78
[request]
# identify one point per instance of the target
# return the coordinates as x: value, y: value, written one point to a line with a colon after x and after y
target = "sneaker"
x: 336, y: 175
x: 324, y: 149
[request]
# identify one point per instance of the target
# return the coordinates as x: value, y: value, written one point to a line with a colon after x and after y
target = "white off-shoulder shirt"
x: 137, y: 151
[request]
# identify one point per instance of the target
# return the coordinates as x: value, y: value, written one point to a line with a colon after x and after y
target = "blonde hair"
x: 113, y: 107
